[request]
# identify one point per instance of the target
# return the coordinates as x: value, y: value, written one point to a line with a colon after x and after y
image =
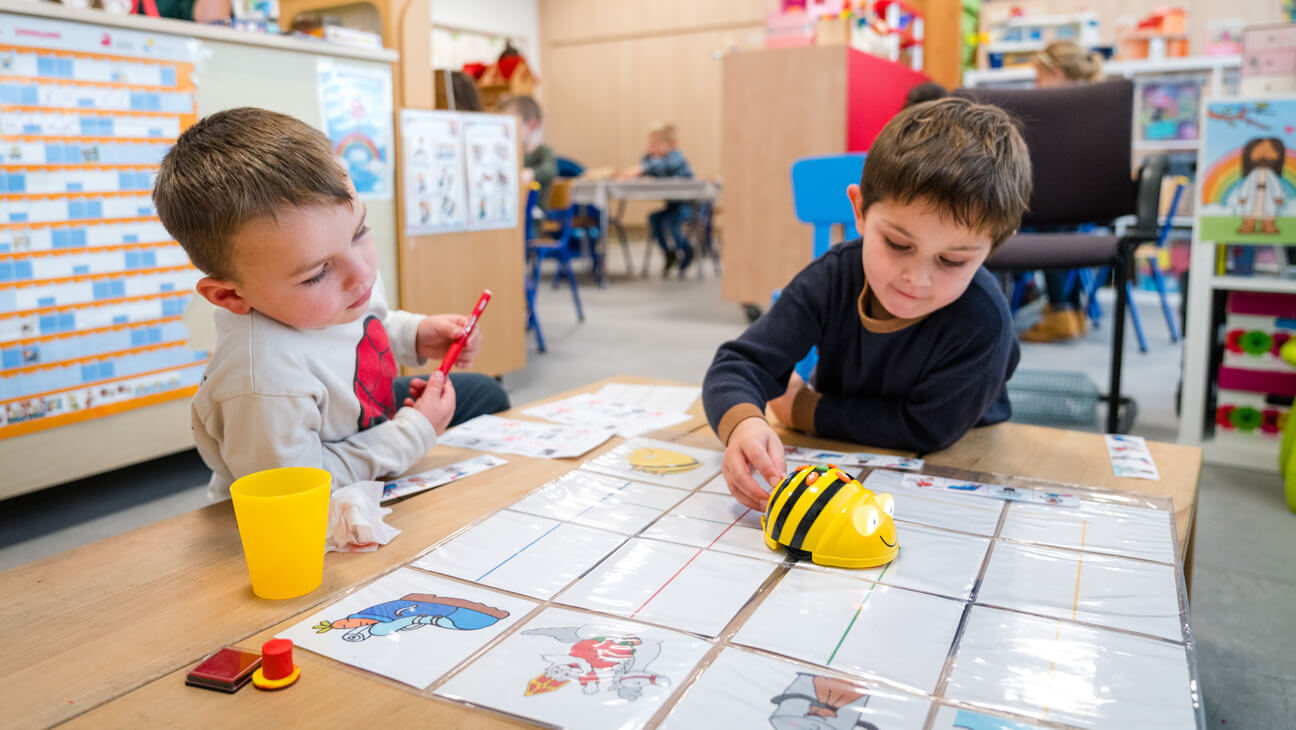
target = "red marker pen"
x: 457, y: 347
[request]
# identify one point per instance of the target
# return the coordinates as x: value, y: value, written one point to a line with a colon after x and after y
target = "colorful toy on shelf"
x: 793, y: 22
x: 1013, y: 39
x: 890, y: 29
x: 1287, y: 462
x: 1257, y: 373
x: 1162, y: 34
x: 822, y: 513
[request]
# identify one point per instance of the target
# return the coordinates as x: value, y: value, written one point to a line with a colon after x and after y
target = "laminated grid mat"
x: 603, y: 602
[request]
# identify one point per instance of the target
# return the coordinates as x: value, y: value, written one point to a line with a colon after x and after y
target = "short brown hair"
x: 525, y: 106
x: 967, y: 160
x: 238, y: 165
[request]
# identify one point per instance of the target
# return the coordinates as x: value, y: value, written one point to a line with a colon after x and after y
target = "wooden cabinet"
x: 780, y: 105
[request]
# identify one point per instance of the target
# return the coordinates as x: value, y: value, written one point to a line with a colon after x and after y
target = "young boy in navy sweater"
x: 915, y: 339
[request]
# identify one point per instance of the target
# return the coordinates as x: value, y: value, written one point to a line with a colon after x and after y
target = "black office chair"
x: 1079, y: 139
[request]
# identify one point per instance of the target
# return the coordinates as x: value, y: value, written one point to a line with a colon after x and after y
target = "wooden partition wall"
x: 446, y: 272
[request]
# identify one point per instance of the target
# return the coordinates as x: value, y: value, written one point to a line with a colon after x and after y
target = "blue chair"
x: 529, y: 215
x: 819, y: 195
x: 1093, y: 281
x: 569, y: 168
x: 555, y: 240
x: 587, y: 231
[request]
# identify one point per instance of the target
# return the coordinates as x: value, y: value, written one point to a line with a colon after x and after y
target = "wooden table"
x: 103, y: 635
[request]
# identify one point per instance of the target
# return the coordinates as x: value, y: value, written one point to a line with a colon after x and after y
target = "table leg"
x: 621, y: 234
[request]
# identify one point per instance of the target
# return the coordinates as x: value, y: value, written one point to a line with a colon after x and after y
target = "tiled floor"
x: 1244, y: 583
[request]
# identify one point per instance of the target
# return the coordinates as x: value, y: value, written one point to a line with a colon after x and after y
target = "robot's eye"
x: 888, y: 504
x: 873, y: 520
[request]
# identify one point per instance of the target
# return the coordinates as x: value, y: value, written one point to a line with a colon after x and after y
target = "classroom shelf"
x: 1139, y: 67
x: 1165, y: 145
x: 1254, y: 283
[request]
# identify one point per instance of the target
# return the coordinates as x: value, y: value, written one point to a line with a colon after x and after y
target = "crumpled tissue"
x: 356, y: 519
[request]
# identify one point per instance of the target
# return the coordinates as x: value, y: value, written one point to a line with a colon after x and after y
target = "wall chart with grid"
x: 92, y: 288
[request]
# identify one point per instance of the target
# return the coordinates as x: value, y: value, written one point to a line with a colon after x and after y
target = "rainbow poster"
x: 356, y: 106
x: 1247, y: 171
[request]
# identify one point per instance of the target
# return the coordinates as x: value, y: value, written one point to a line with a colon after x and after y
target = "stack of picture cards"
x: 995, y: 491
x: 588, y: 409
x: 527, y: 438
x: 800, y: 456
x: 399, y: 489
x: 635, y: 592
x: 1130, y: 457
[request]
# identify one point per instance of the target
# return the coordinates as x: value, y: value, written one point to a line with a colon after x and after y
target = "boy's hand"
x: 782, y: 405
x: 438, y: 331
x: 436, y: 400
x: 753, y: 445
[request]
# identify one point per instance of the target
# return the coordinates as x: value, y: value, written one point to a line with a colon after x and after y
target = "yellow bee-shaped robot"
x: 821, y: 513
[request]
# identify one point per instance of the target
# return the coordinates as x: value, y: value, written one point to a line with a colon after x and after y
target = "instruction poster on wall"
x: 436, y: 200
x: 491, y: 148
x: 356, y: 104
x: 1248, y: 159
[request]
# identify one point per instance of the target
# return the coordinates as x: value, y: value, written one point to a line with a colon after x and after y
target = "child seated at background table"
x: 914, y: 337
x: 304, y: 368
x: 663, y: 159
x: 539, y: 159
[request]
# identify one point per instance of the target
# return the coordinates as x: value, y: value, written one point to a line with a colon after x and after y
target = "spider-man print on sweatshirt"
x: 375, y: 375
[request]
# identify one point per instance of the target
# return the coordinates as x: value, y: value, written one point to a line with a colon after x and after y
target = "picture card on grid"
x: 523, y: 553
x: 1099, y: 527
x: 946, y: 509
x: 588, y: 409
x: 1134, y: 595
x: 658, y: 462
x: 935, y: 561
x: 688, y: 588
x: 742, y: 689
x: 526, y: 438
x: 715, y: 522
x: 410, y: 626
x: 578, y: 670
x: 440, y: 476
x: 601, y: 501
x: 1071, y: 674
x: 857, y: 627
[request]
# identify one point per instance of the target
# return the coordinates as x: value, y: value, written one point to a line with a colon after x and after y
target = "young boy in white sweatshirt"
x: 304, y: 368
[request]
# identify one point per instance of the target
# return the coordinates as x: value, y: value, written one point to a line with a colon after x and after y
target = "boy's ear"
x: 223, y: 293
x: 857, y: 204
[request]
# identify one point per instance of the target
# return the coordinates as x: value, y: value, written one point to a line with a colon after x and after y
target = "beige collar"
x: 883, y: 322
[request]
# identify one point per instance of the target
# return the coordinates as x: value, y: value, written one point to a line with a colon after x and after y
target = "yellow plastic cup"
x: 283, y: 519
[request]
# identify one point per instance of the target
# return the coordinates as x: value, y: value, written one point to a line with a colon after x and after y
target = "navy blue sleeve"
x: 755, y: 368
x: 966, y: 377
